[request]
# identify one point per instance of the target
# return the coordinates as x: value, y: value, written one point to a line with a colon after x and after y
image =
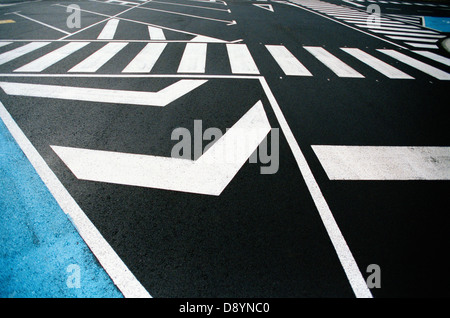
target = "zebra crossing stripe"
x: 20, y: 51
x: 51, y: 58
x: 333, y: 63
x: 109, y: 30
x: 156, y: 33
x: 241, y: 60
x: 98, y: 58
x: 415, y: 39
x: 422, y: 45
x: 144, y: 61
x: 287, y: 61
x: 4, y: 43
x: 194, y: 58
x: 435, y: 57
x: 377, y: 64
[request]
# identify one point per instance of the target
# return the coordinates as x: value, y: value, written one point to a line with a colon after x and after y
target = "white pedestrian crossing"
x: 99, y: 58
x: 109, y: 30
x: 241, y: 60
x: 287, y: 61
x: 194, y: 58
x: 146, y: 58
x: 20, y: 51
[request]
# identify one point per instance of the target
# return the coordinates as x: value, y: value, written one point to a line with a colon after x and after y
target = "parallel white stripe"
x: 194, y: 58
x: 20, y: 51
x: 333, y: 63
x: 422, y: 45
x: 428, y: 69
x: 384, y: 163
x: 382, y: 22
x: 377, y: 64
x: 408, y: 33
x: 145, y: 59
x: 434, y: 56
x: 402, y: 29
x: 241, y: 60
x: 93, y: 62
x: 109, y: 30
x: 415, y: 39
x: 287, y: 61
x: 4, y: 43
x: 156, y: 33
x: 51, y: 58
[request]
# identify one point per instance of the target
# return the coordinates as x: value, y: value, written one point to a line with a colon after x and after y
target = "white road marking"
x: 241, y: 60
x: 422, y: 45
x: 194, y: 58
x: 409, y: 34
x: 333, y: 63
x: 4, y: 43
x: 384, y: 163
x: 109, y: 30
x: 144, y: 61
x: 156, y: 33
x: 51, y: 58
x: 377, y: 64
x: 434, y: 56
x: 42, y: 23
x: 415, y: 39
x: 287, y: 61
x: 20, y: 51
x: 93, y: 62
x: 160, y: 99
x: 428, y: 69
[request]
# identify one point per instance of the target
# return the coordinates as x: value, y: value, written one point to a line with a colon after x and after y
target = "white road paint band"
x: 435, y: 57
x: 414, y: 39
x: 384, y: 163
x: 109, y: 30
x: 20, y: 51
x: 241, y: 60
x: 93, y: 62
x: 156, y: 33
x: 194, y: 58
x: 144, y: 61
x: 287, y: 61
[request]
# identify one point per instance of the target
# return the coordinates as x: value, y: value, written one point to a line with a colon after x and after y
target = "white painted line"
x: 209, y: 174
x: 20, y: 51
x: 160, y: 99
x: 51, y: 58
x: 287, y: 61
x: 435, y: 57
x: 144, y: 61
x: 384, y: 163
x: 415, y: 39
x: 382, y: 21
x: 422, y: 45
x: 109, y: 30
x: 93, y: 62
x: 409, y: 34
x: 428, y: 69
x: 189, y: 5
x: 4, y: 43
x: 156, y: 33
x: 354, y: 276
x: 42, y: 23
x: 352, y: 3
x: 122, y: 277
x: 402, y: 29
x: 194, y: 58
x: 377, y: 64
x: 333, y: 63
x: 241, y: 60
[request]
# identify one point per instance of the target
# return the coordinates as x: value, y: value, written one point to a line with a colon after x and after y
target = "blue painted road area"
x: 437, y: 23
x: 41, y: 255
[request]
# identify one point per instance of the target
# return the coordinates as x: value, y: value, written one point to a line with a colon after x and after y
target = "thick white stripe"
x: 402, y: 29
x: 146, y: 58
x: 377, y: 64
x: 434, y: 56
x: 194, y: 58
x: 4, y: 43
x: 98, y: 58
x: 422, y: 45
x: 20, y: 51
x: 333, y: 63
x: 156, y: 33
x: 51, y: 58
x: 428, y: 69
x: 287, y: 61
x: 409, y: 34
x: 109, y: 30
x: 384, y: 163
x: 415, y: 39
x: 241, y: 60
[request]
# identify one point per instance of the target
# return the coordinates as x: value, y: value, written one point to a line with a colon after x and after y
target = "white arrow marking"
x: 209, y: 174
x: 267, y: 7
x: 161, y: 98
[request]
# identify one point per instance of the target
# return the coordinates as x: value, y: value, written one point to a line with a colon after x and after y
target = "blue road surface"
x: 437, y: 23
x: 41, y: 252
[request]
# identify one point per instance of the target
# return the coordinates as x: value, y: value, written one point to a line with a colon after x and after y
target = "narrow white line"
x: 109, y: 30
x: 352, y: 3
x: 42, y: 23
x: 189, y: 5
x: 382, y: 21
x: 410, y: 29
x: 333, y: 63
x: 145, y: 59
x: 156, y: 33
x: 4, y: 43
x: 377, y: 64
x: 194, y: 58
x: 122, y: 277
x: 356, y: 280
x: 409, y: 34
x: 98, y: 58
x: 415, y: 39
x: 428, y: 69
x: 241, y: 60
x: 422, y: 45
x: 20, y: 51
x: 51, y: 58
x: 384, y: 163
x: 287, y: 61
x: 435, y: 57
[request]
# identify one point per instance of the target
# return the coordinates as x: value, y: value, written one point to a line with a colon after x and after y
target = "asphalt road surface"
x: 327, y: 157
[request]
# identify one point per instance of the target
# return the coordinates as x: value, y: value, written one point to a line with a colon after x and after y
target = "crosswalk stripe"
x: 144, y: 61
x: 51, y: 58
x: 422, y: 45
x: 109, y: 30
x: 402, y: 29
x: 409, y: 33
x: 194, y: 58
x: 435, y: 57
x: 241, y: 60
x: 415, y: 39
x: 20, y: 51
x: 287, y: 61
x: 156, y: 33
x: 333, y: 63
x: 4, y: 43
x: 377, y: 64
x: 93, y: 62
x: 428, y: 69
